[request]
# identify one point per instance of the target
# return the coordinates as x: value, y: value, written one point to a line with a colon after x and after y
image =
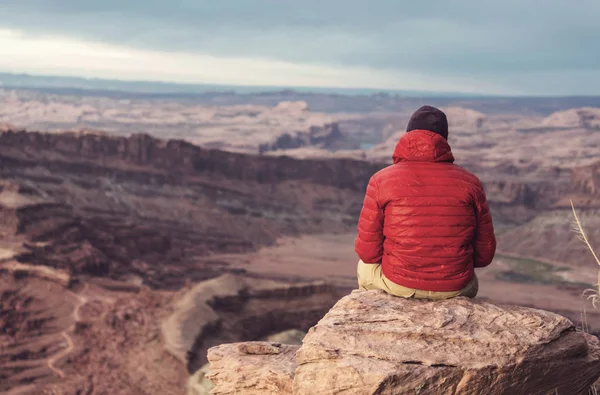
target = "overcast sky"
x: 548, y: 47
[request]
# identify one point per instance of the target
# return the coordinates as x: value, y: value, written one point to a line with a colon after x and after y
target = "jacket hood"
x: 422, y: 146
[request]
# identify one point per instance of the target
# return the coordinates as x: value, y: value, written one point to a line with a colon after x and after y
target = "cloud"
x: 91, y: 59
x: 485, y: 42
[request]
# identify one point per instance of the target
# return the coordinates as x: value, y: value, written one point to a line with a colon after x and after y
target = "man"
x: 425, y: 222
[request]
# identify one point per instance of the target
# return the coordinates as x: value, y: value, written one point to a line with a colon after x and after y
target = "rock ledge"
x: 373, y: 343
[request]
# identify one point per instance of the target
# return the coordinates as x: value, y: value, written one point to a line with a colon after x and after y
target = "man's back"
x: 425, y: 219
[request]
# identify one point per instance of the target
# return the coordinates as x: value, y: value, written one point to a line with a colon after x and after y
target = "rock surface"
x: 259, y: 368
x: 199, y: 384
x: 373, y: 343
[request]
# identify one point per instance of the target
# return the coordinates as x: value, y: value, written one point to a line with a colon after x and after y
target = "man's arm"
x: 484, y: 245
x: 369, y: 242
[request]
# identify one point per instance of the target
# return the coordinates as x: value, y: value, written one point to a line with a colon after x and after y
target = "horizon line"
x: 216, y: 88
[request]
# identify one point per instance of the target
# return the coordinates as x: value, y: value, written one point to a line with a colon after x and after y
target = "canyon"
x: 126, y: 253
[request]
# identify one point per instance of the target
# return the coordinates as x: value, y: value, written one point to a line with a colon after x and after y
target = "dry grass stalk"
x: 590, y: 294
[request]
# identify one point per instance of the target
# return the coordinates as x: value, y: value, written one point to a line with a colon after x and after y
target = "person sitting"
x: 425, y: 224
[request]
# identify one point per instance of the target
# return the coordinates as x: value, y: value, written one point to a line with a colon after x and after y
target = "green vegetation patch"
x: 530, y: 271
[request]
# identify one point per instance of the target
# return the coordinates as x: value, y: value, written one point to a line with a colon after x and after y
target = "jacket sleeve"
x: 369, y: 242
x: 484, y: 244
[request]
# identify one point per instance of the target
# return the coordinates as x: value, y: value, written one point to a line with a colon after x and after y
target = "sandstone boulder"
x: 251, y: 368
x: 229, y: 355
x: 373, y: 343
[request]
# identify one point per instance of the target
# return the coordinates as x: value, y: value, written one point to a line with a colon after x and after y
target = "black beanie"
x: 429, y: 118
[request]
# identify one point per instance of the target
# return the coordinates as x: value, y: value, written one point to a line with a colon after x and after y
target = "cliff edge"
x: 373, y: 343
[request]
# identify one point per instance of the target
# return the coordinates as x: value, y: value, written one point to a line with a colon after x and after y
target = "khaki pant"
x: 370, y: 276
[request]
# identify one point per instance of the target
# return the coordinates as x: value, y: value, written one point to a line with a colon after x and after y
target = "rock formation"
x: 373, y: 343
x: 235, y: 307
x: 586, y: 117
x: 113, y: 338
x: 199, y: 384
x: 327, y: 137
x: 295, y: 107
x: 465, y: 120
x: 586, y: 180
x: 138, y: 206
x: 254, y: 368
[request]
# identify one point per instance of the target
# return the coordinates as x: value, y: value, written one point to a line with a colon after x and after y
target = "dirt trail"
x: 28, y: 389
x: 43, y: 272
x: 53, y: 322
x: 82, y: 300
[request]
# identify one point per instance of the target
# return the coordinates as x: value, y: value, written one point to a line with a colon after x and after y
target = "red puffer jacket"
x: 425, y: 219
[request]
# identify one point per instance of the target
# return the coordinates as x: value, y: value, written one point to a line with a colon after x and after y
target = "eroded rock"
x: 240, y: 368
x: 373, y: 343
x: 236, y: 307
x: 199, y: 384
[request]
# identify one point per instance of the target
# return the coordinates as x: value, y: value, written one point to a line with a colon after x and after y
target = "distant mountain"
x: 27, y: 81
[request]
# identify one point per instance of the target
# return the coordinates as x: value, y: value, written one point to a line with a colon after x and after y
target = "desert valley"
x: 140, y: 230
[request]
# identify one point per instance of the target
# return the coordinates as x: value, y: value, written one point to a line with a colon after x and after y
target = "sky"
x: 508, y: 47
